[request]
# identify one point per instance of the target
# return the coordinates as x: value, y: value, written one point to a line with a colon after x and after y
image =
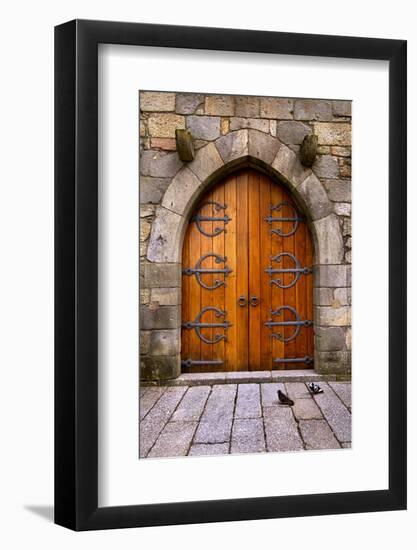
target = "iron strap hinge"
x: 297, y: 323
x: 297, y: 270
x: 296, y: 219
x: 191, y: 362
x: 198, y: 270
x: 197, y: 325
x: 308, y: 360
x: 198, y: 218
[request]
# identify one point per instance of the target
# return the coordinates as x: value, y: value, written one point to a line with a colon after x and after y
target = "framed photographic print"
x: 230, y: 275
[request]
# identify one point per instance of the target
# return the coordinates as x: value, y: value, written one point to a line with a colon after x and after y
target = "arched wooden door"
x: 247, y: 283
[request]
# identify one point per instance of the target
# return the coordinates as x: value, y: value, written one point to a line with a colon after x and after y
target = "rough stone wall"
x: 209, y: 117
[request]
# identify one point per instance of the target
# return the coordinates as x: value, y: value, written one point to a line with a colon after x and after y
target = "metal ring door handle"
x: 254, y: 301
x: 242, y: 301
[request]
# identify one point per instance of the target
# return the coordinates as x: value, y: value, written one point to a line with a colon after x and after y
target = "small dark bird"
x: 284, y: 399
x: 314, y: 388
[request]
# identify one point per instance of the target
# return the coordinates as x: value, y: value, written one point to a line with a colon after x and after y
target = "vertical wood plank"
x: 231, y: 281
x: 242, y: 269
x: 254, y: 270
x: 265, y: 260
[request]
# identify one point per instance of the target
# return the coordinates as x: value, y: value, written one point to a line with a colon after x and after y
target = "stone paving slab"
x: 204, y: 449
x: 306, y: 409
x: 174, y: 440
x: 148, y: 399
x: 336, y: 413
x: 152, y: 425
x: 248, y: 436
x: 248, y: 402
x: 317, y: 435
x: 216, y: 421
x: 281, y: 430
x: 192, y: 404
x: 343, y: 391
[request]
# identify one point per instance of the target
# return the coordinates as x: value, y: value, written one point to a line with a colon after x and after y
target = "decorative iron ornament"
x: 197, y: 325
x: 297, y: 270
x: 296, y: 219
x: 297, y: 323
x: 188, y: 363
x: 199, y: 217
x: 308, y: 360
x: 198, y: 271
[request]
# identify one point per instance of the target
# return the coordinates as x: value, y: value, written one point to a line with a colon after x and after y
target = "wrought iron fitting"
x: 298, y: 323
x: 199, y: 217
x: 197, y: 325
x: 198, y: 271
x: 297, y: 270
x: 296, y: 219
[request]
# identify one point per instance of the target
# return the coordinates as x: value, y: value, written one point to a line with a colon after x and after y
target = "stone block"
x: 165, y: 342
x: 146, y: 210
x: 162, y: 275
x: 273, y: 128
x: 159, y: 164
x: 315, y: 197
x: 144, y: 341
x: 161, y: 368
x: 247, y: 106
x: 233, y: 145
x: 152, y: 189
x: 167, y: 144
x: 326, y: 166
x: 273, y: 107
x: 248, y: 436
x: 174, y: 440
x: 250, y: 123
x: 345, y: 167
x: 306, y: 409
x: 347, y: 227
x: 338, y: 190
x: 323, y: 296
x: 269, y: 394
x: 142, y: 128
x: 333, y: 133
x: 204, y: 127
x: 186, y: 104
x: 342, y: 208
x: 329, y: 338
x: 207, y: 161
x: 312, y: 109
x: 145, y: 295
x: 334, y: 316
x: 342, y: 297
x: 224, y: 126
x: 160, y: 318
x: 333, y: 275
x: 164, y: 125
x: 332, y: 362
x: 182, y: 191
x: 349, y: 339
x: 166, y: 296
x: 262, y: 146
x: 145, y: 229
x: 342, y: 108
x: 216, y: 422
x: 289, y: 166
x: 339, y: 151
x: 157, y: 101
x: 317, y: 435
x: 220, y: 105
x: 292, y: 132
x: 330, y: 241
x: 165, y: 236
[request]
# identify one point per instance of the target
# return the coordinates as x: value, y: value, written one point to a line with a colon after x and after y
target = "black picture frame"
x: 76, y: 272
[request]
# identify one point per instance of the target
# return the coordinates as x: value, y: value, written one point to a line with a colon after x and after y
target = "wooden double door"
x: 247, y: 281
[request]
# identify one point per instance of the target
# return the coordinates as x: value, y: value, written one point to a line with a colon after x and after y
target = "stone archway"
x: 160, y: 326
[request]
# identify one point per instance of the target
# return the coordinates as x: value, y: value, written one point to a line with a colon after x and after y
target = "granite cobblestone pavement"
x: 221, y: 419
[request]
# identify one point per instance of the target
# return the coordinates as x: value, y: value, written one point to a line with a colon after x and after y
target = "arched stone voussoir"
x: 233, y: 145
x: 166, y: 237
x: 289, y: 167
x: 315, y: 198
x: 328, y: 239
x: 182, y: 192
x: 206, y: 162
x: 262, y: 146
